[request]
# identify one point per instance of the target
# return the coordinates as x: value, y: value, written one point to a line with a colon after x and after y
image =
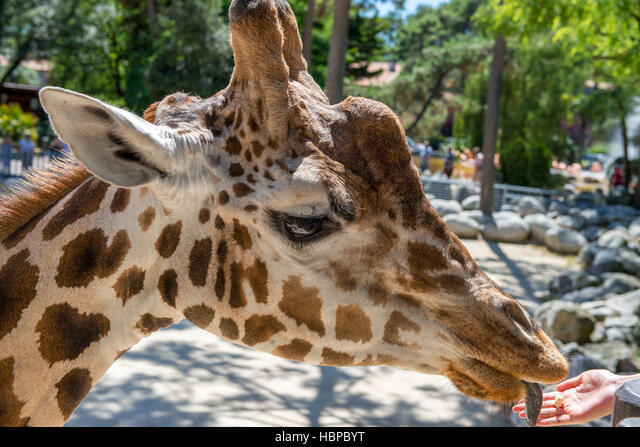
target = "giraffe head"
x: 305, y: 228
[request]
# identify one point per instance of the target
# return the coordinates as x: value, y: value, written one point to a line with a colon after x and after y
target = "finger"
x: 569, y: 383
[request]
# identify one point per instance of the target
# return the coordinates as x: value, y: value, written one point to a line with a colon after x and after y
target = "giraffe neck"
x: 79, y: 285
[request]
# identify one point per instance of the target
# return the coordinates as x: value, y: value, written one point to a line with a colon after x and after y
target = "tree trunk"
x: 152, y: 11
x: 338, y: 51
x: 491, y: 126
x: 308, y: 28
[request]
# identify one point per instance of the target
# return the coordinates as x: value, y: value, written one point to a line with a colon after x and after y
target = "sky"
x: 410, y: 5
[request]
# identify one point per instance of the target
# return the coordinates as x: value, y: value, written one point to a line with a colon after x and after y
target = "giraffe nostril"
x: 518, y: 314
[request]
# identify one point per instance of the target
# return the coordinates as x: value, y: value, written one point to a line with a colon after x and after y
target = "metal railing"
x: 447, y: 189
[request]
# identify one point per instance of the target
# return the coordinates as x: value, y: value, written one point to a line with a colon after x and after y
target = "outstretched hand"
x: 586, y: 397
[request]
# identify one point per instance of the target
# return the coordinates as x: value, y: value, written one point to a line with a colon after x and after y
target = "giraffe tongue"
x: 533, y: 403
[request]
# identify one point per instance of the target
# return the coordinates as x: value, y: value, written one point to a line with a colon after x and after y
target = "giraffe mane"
x: 39, y: 190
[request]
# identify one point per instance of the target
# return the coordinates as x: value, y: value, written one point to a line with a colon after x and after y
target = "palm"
x: 587, y: 397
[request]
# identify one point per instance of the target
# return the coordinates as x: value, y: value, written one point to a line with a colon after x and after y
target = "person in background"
x: 617, y: 179
x: 5, y: 153
x: 426, y: 158
x: 478, y: 158
x: 26, y: 150
x: 449, y: 162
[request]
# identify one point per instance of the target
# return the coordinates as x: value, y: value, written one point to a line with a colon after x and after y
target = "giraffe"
x: 263, y: 215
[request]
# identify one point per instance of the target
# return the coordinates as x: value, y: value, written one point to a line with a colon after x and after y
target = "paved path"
x: 183, y: 376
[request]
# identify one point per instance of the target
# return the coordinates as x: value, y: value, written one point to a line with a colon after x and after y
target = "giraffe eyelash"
x: 282, y: 223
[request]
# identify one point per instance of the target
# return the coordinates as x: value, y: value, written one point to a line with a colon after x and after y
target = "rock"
x: 587, y: 254
x: 616, y: 260
x: 558, y: 207
x: 565, y: 321
x: 463, y: 226
x: 573, y: 222
x: 471, y: 202
x: 626, y: 304
x: 592, y: 233
x: 464, y: 191
x: 530, y: 205
x: 634, y: 229
x: 564, y: 240
x: 615, y: 238
x: 539, y: 224
x: 612, y: 355
x: 506, y: 227
x: 445, y: 207
x: 584, y: 295
x: 509, y: 208
x: 593, y: 217
x: 619, y: 195
x: 571, y: 281
x: 579, y: 360
x: 477, y: 215
x: 618, y: 283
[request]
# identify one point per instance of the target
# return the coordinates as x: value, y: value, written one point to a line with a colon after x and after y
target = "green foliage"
x: 525, y: 162
x: 16, y: 123
x: 193, y: 53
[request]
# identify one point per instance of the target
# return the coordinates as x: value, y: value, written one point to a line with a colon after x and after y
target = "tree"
x: 338, y: 51
x: 491, y: 126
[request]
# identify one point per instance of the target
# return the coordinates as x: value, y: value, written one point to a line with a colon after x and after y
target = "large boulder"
x: 506, y: 227
x: 565, y: 321
x: 539, y: 224
x: 463, y: 226
x: 530, y: 205
x: 572, y: 221
x: 570, y: 281
x: 616, y: 260
x: 564, y: 240
x: 471, y: 203
x: 626, y: 303
x: 445, y: 207
x: 616, y: 238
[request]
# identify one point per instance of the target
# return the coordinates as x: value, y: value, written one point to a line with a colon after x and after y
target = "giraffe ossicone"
x: 262, y: 214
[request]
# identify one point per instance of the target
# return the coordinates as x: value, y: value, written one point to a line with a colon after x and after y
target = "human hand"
x: 586, y: 397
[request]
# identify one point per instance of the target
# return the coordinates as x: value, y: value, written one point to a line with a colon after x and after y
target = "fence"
x: 16, y: 169
x: 447, y: 189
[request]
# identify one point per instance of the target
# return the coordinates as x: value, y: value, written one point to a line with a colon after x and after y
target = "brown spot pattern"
x: 236, y: 170
x: 65, y: 332
x: 199, y: 260
x: 236, y: 294
x: 424, y: 257
x: 260, y: 328
x: 84, y: 202
x: 242, y: 189
x: 223, y: 197
x: 145, y: 219
x: 296, y: 350
x: 219, y: 223
x: 353, y: 324
x: 201, y: 315
x: 10, y: 405
x: 302, y: 304
x: 149, y: 323
x: 220, y: 283
x: 129, y: 283
x: 233, y: 146
x: 204, y: 215
x: 168, y: 287
x: 18, y: 280
x: 397, y: 321
x: 72, y: 388
x: 120, y: 200
x: 14, y: 239
x: 241, y: 235
x: 229, y: 328
x: 257, y: 277
x: 343, y: 277
x: 88, y: 256
x: 336, y: 358
x: 169, y: 239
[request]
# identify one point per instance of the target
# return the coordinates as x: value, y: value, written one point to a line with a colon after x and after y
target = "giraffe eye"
x: 300, y: 230
x: 302, y: 227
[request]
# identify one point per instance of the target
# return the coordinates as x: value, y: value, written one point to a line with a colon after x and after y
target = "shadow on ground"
x: 183, y: 376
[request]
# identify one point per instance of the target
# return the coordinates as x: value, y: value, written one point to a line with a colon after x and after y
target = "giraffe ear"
x: 115, y: 145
